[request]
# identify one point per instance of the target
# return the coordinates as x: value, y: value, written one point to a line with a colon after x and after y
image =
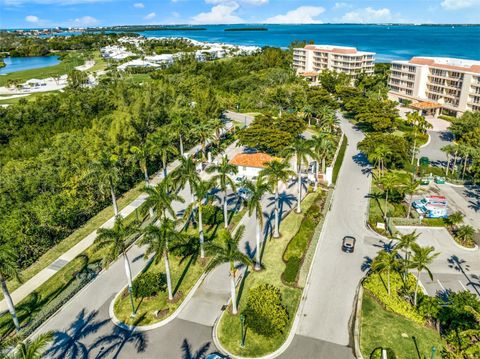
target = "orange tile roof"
x: 309, y: 73
x: 257, y: 160
x: 425, y: 105
x: 431, y: 62
x: 336, y: 50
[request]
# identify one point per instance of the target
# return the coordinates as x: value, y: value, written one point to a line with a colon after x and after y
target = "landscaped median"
x: 268, y: 321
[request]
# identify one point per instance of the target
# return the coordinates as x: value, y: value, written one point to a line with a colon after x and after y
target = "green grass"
x: 32, y: 96
x: 339, y: 160
x: 100, y: 63
x: 388, y: 330
x: 229, y: 327
x: 65, y: 66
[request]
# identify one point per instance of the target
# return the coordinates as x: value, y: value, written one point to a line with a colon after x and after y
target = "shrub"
x: 394, y: 302
x: 291, y: 270
x: 149, y: 284
x: 212, y: 215
x: 265, y: 314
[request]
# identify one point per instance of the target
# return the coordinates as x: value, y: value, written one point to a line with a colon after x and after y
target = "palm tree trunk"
x: 114, y: 201
x: 181, y: 145
x: 323, y: 164
x: 164, y: 163
x: 316, y: 177
x: 388, y: 282
x: 233, y: 293
x: 299, y: 192
x: 128, y: 271
x: 225, y: 209
x: 147, y: 179
x: 257, y: 237
x: 10, y: 305
x: 386, y: 205
x: 409, y: 206
x: 416, y: 289
x: 276, y: 232
x: 200, y: 231
x: 167, y: 272
x: 448, y: 164
x: 454, y: 163
x: 414, y: 146
x: 464, y: 166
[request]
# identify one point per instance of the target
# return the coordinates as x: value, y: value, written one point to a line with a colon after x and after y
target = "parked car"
x: 348, y: 244
x: 215, y: 356
x: 249, y: 150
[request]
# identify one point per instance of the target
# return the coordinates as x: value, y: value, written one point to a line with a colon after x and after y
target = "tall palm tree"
x: 9, y: 269
x: 222, y: 171
x: 201, y: 190
x: 254, y: 205
x: 227, y: 251
x: 410, y: 188
x: 422, y: 258
x: 276, y: 172
x: 405, y: 243
x: 157, y: 239
x: 160, y: 199
x: 389, y: 182
x: 379, y: 156
x: 217, y: 126
x: 115, y: 239
x: 323, y: 145
x: 203, y: 131
x: 386, y: 261
x: 419, y: 124
x: 32, y: 348
x: 164, y: 147
x: 301, y: 149
x: 186, y: 173
x: 105, y: 172
x: 142, y: 154
x: 328, y: 121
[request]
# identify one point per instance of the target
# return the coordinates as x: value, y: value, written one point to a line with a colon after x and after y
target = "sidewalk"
x: 41, y: 277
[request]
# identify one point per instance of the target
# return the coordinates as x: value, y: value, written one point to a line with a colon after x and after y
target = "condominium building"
x: 313, y: 59
x: 440, y: 83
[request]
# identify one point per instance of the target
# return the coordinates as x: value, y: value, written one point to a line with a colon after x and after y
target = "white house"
x: 250, y: 165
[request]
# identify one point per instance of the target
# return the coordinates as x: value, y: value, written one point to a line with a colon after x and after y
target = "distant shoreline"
x: 246, y: 29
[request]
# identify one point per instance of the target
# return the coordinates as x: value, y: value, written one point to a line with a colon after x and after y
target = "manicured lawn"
x: 229, y: 327
x: 339, y: 159
x: 380, y: 328
x: 65, y: 66
x: 32, y: 96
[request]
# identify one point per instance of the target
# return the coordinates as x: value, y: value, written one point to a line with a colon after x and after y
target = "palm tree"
x: 418, y: 123
x: 465, y: 233
x: 105, y: 172
x: 254, y: 205
x: 328, y: 120
x: 222, y: 177
x: 227, y: 251
x: 142, y: 154
x: 378, y: 157
x: 216, y: 125
x: 204, y: 133
x: 160, y: 199
x: 410, y: 188
x: 323, y: 145
x: 454, y: 219
x: 276, y: 171
x: 386, y: 261
x: 9, y: 269
x: 32, y: 348
x: 186, y: 173
x: 405, y: 243
x: 180, y: 125
x: 157, y: 239
x: 163, y: 139
x: 201, y: 190
x: 422, y: 258
x: 302, y: 150
x: 115, y: 239
x: 389, y: 182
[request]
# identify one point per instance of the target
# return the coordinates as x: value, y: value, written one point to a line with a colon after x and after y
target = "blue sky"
x: 48, y: 13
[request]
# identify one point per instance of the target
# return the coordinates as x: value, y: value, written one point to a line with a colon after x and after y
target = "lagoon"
x: 14, y: 64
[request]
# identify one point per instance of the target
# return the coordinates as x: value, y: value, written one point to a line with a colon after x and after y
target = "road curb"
x: 357, y: 323
x: 455, y: 185
x: 145, y: 328
x: 426, y: 143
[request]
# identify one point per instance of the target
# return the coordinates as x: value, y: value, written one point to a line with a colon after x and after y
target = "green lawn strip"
x: 380, y: 327
x: 100, y: 63
x: 32, y: 96
x: 229, y: 327
x: 339, y: 159
x: 65, y: 66
x: 93, y: 224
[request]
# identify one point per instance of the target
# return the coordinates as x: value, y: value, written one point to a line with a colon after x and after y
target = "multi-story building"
x: 438, y: 83
x: 313, y: 59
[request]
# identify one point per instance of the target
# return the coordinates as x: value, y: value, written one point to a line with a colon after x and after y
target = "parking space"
x: 445, y: 282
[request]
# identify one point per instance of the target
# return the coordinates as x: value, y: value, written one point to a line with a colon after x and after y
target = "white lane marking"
x: 464, y: 288
x: 440, y: 284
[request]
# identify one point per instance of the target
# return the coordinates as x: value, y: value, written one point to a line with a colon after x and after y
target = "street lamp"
x: 433, y: 352
x: 242, y: 322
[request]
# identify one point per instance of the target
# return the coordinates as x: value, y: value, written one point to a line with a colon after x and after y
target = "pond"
x: 15, y: 64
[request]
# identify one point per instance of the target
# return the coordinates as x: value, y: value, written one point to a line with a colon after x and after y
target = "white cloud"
x: 458, y: 4
x: 256, y: 2
x: 150, y: 16
x: 222, y: 13
x: 51, y: 2
x: 32, y: 18
x: 86, y: 21
x: 139, y: 5
x: 341, y: 5
x: 251, y: 2
x: 367, y: 15
x: 301, y: 15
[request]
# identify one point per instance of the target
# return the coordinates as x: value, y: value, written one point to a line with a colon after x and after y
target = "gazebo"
x: 427, y: 107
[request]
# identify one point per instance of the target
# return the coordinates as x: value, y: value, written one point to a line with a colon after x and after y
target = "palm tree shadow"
x: 115, y: 341
x: 199, y: 354
x: 460, y: 265
x: 242, y: 285
x: 68, y: 344
x: 367, y: 264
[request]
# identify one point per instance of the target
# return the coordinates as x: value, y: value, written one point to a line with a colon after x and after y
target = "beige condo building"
x: 437, y: 84
x: 313, y: 59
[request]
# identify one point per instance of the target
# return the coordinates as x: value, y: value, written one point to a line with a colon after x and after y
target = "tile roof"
x: 257, y: 160
x: 431, y: 62
x: 309, y: 73
x: 425, y: 105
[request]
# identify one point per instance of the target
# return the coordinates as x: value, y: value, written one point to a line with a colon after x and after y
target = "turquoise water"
x: 15, y: 64
x: 390, y: 42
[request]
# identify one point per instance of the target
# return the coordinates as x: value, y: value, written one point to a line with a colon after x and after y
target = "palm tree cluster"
x: 406, y: 255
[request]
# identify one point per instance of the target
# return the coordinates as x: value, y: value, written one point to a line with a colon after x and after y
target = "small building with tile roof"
x: 250, y: 164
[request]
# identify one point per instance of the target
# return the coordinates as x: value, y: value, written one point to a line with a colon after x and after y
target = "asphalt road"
x: 433, y: 150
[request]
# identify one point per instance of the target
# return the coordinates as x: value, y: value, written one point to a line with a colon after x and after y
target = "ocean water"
x: 390, y: 42
x: 15, y: 64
